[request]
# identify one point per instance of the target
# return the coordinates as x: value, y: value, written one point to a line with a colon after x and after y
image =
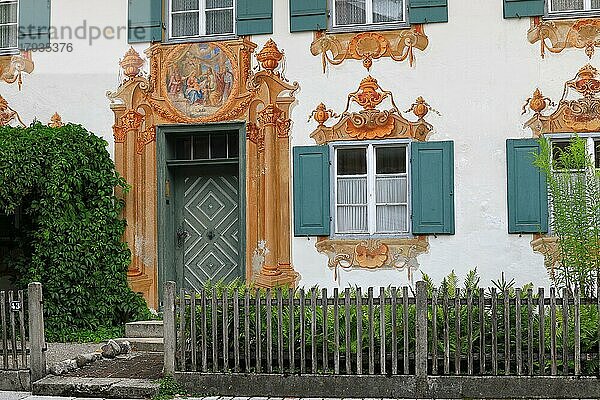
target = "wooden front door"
x: 210, y: 237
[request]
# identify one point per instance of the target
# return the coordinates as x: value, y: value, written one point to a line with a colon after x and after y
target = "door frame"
x: 166, y: 200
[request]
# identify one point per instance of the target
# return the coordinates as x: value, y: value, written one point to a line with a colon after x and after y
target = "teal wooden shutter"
x: 254, y: 17
x: 523, y: 8
x: 34, y: 24
x: 311, y: 191
x: 145, y: 21
x: 308, y: 15
x: 427, y: 11
x: 432, y: 180
x: 527, y: 189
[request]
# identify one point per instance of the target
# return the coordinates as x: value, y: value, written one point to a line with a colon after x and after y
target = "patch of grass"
x: 169, y: 388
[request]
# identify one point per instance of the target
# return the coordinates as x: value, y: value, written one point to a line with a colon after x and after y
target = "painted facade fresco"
x: 200, y: 80
x: 476, y: 69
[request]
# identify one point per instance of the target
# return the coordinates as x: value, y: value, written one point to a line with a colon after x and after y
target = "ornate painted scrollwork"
x: 370, y: 122
x: 399, y: 45
x: 12, y: 67
x: 579, y: 112
x: 557, y: 35
x: 347, y: 254
x: 8, y: 115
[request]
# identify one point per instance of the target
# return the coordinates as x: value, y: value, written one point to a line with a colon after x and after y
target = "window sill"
x: 571, y: 15
x: 369, y: 27
x: 201, y: 39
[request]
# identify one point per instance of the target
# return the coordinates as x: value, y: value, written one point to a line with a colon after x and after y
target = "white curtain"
x: 219, y: 22
x: 219, y: 17
x: 391, y: 197
x: 8, y: 33
x: 352, y: 208
x: 388, y: 10
x: 595, y: 4
x: 350, y: 12
x: 185, y: 5
x: 567, y: 5
x: 186, y: 24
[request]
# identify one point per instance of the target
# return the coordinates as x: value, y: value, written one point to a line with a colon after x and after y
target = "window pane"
x: 186, y: 24
x: 8, y: 36
x: 219, y: 22
x: 8, y: 13
x: 185, y: 5
x: 352, y: 190
x: 350, y: 12
x: 218, y: 145
x: 183, y: 148
x: 391, y: 160
x: 557, y: 150
x: 218, y: 4
x: 567, y: 5
x: 234, y: 145
x: 391, y: 190
x: 388, y: 10
x: 351, y: 161
x: 201, y: 147
x: 391, y: 219
x: 351, y: 219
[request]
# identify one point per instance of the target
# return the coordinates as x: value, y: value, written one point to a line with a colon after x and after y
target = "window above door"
x: 201, y: 18
x: 197, y: 20
x: 371, y: 14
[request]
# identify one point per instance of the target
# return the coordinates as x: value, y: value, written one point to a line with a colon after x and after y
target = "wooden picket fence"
x: 22, y: 343
x: 385, y: 332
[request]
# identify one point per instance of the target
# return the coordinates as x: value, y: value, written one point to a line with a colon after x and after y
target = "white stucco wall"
x: 477, y: 71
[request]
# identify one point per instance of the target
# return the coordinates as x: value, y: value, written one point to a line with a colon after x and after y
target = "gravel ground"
x: 64, y: 351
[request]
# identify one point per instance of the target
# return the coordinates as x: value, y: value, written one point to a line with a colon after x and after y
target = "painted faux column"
x: 270, y: 274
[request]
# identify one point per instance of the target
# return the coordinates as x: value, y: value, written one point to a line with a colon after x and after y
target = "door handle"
x: 182, y: 234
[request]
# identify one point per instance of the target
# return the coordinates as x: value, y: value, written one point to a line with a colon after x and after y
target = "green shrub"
x: 63, y: 181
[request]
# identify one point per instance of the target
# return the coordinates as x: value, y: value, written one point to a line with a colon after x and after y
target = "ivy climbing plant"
x: 64, y: 183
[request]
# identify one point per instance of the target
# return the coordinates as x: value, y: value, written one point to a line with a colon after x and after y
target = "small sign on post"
x: 15, y: 306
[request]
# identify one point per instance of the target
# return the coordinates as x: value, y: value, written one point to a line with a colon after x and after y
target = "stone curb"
x: 109, y: 388
x: 110, y: 350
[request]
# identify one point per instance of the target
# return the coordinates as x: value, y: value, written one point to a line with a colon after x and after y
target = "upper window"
x: 371, y: 189
x: 349, y: 13
x: 572, y: 6
x: 560, y: 145
x: 198, y: 18
x: 9, y: 25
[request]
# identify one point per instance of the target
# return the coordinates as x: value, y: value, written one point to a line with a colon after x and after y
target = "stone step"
x: 96, y: 387
x: 144, y: 344
x: 144, y: 329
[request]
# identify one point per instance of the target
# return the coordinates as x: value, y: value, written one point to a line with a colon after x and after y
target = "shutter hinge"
x: 330, y: 219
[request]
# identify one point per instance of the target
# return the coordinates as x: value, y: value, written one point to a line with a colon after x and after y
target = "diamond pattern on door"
x: 211, y: 219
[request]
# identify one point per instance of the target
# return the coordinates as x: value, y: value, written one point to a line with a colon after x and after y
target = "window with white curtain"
x: 567, y: 6
x: 197, y: 18
x: 9, y: 24
x: 371, y: 189
x: 368, y: 12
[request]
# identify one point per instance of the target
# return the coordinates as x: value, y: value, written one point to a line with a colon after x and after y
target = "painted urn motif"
x: 270, y: 56
x: 132, y: 63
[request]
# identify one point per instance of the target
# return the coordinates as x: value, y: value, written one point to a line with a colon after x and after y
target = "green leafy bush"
x: 63, y: 181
